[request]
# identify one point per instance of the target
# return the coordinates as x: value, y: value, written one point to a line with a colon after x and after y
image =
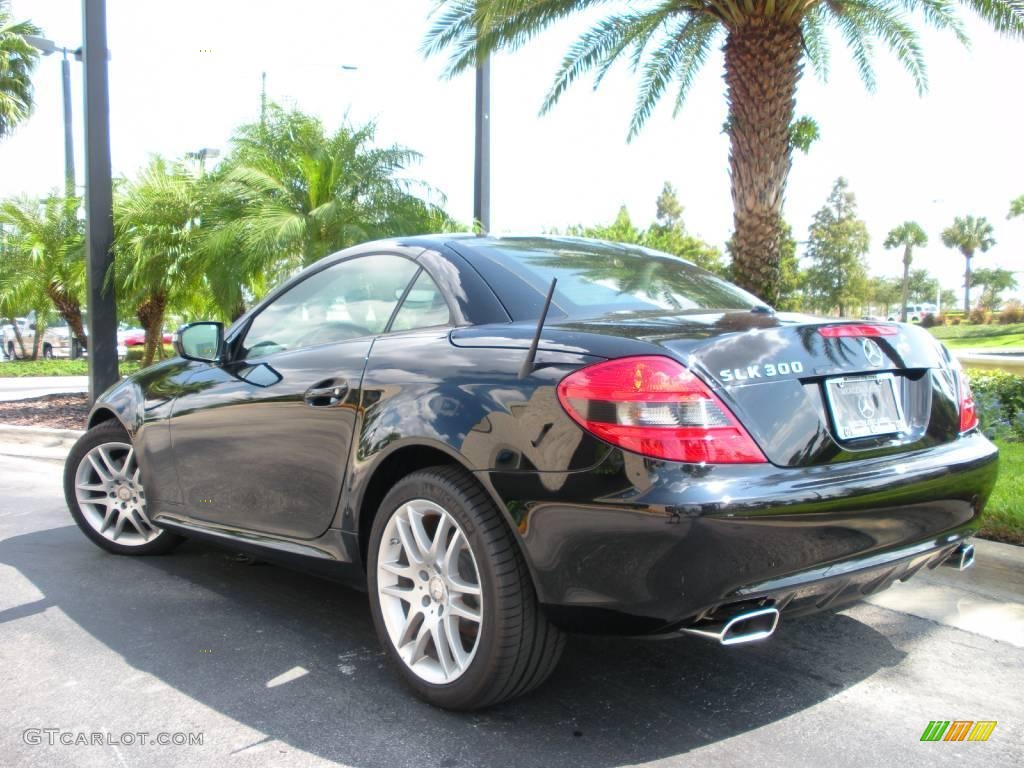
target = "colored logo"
x: 958, y: 730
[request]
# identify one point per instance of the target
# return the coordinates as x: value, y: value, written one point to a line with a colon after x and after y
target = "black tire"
x: 107, y: 432
x: 47, y: 352
x: 10, y: 351
x: 518, y: 648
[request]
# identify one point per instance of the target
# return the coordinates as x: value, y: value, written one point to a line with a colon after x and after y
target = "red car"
x: 139, y: 338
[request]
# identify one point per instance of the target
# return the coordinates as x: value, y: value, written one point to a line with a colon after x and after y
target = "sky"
x: 183, y: 75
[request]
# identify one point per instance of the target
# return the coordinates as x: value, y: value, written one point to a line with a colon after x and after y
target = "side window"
x: 346, y: 301
x: 423, y: 307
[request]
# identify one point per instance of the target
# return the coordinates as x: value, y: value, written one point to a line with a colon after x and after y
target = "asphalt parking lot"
x: 278, y: 668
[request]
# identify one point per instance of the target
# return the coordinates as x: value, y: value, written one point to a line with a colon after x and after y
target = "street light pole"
x: 47, y: 47
x: 69, y: 144
x: 482, y: 158
x: 99, y: 213
x: 200, y: 155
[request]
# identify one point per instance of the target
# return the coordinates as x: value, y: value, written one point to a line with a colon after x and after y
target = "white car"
x: 56, y: 340
x: 915, y: 312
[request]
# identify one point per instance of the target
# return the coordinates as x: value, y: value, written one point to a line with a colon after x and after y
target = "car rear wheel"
x: 104, y: 491
x: 10, y: 351
x: 451, y: 597
x: 47, y: 352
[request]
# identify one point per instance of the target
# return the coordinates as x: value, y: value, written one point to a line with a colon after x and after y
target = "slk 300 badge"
x: 761, y: 371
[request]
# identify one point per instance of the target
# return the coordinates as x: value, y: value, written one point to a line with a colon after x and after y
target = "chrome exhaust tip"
x: 746, y: 627
x: 962, y: 557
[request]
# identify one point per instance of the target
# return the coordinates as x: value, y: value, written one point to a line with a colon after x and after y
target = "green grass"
x: 979, y: 336
x: 20, y: 368
x: 1004, y: 515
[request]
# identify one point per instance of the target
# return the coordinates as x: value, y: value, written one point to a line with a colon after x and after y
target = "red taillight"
x: 655, y: 407
x: 968, y: 413
x: 857, y: 329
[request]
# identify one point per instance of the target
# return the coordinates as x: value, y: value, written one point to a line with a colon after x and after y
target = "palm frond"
x: 815, y: 39
x: 474, y: 29
x: 1005, y: 16
x: 858, y: 38
x: 886, y: 23
x: 602, y: 45
x: 17, y: 62
x: 678, y: 57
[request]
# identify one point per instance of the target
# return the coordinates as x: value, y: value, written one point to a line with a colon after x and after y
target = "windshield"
x: 596, y: 278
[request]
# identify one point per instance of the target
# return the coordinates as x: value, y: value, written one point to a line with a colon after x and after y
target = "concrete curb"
x: 37, y: 442
x: 985, y: 599
x: 990, y: 362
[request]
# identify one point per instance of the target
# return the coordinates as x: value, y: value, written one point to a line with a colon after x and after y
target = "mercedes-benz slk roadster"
x: 507, y: 439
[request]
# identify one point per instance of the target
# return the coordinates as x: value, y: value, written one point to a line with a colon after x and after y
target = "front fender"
x: 142, y: 404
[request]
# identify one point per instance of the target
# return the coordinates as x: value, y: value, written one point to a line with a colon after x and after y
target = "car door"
x: 261, y: 441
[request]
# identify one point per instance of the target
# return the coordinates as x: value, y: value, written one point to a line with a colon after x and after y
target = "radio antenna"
x: 531, y: 356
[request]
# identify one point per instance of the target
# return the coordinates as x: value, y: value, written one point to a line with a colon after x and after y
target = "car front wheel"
x: 104, y: 491
x: 451, y: 596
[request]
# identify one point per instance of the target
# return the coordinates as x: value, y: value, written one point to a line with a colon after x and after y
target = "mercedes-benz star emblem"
x: 866, y: 406
x: 872, y: 353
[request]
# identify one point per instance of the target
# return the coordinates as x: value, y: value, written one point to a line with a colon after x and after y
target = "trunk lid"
x: 795, y: 390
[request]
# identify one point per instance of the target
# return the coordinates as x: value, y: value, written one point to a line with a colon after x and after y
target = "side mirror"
x: 31, y: 326
x: 200, y: 341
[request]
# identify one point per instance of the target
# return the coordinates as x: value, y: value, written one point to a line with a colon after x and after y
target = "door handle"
x: 326, y: 393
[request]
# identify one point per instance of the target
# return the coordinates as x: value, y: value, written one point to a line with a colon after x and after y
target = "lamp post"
x: 99, y: 207
x: 48, y: 47
x: 200, y: 155
x: 482, y: 153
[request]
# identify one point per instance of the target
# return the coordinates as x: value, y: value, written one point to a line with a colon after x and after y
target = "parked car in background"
x: 55, y: 342
x: 915, y: 312
x: 136, y: 337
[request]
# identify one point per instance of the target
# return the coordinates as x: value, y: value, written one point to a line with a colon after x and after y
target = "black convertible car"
x: 505, y: 439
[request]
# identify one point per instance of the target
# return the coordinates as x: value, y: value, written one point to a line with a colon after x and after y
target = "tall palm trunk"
x: 151, y: 315
x: 967, y: 286
x: 762, y: 68
x: 17, y: 335
x: 37, y: 334
x: 907, y: 256
x: 69, y: 309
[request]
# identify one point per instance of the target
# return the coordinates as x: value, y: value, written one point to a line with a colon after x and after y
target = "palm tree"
x: 52, y: 238
x: 290, y: 194
x: 907, y: 236
x: 17, y: 60
x: 15, y: 286
x: 156, y: 224
x: 968, y: 235
x: 765, y: 45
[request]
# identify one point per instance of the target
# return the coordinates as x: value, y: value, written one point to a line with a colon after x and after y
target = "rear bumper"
x: 639, y: 546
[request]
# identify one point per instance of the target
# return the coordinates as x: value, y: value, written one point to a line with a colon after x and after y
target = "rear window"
x: 596, y: 278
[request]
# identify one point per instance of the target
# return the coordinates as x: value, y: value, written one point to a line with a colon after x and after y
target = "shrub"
x: 980, y: 316
x: 1012, y: 313
x: 999, y: 398
x: 929, y: 321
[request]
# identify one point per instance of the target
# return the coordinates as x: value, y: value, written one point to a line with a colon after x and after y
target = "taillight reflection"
x: 968, y: 411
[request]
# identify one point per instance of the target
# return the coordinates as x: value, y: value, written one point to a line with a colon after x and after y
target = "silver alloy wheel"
x: 110, y: 494
x: 428, y: 585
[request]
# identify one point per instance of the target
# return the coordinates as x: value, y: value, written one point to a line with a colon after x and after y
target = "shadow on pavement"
x: 218, y: 630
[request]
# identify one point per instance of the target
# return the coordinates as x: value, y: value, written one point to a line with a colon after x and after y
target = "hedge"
x: 999, y: 398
